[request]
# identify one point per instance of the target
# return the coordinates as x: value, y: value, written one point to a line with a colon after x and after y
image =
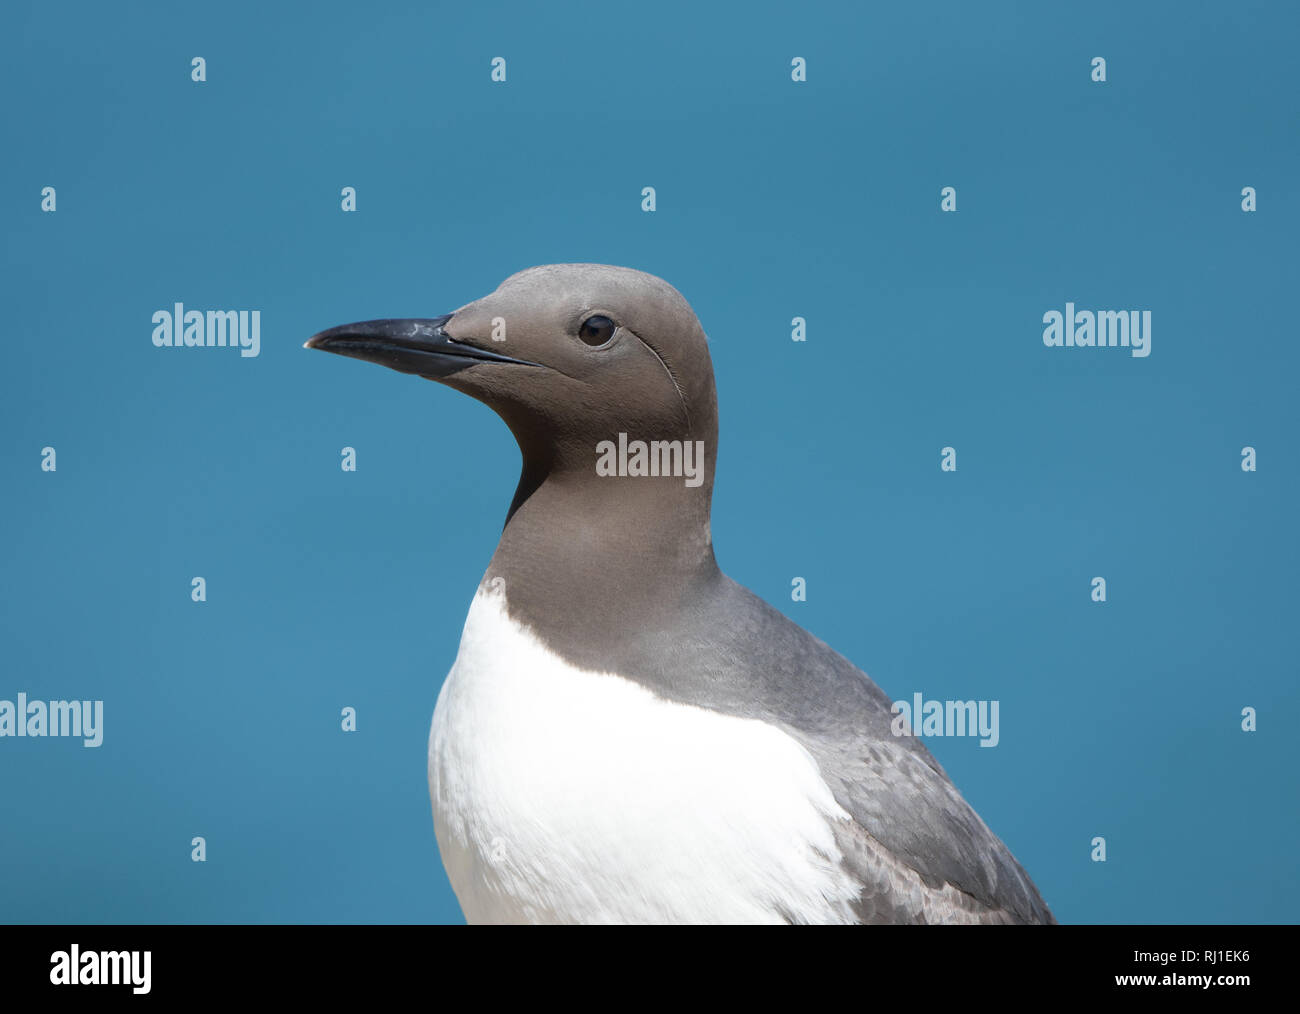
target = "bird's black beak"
x: 412, y: 345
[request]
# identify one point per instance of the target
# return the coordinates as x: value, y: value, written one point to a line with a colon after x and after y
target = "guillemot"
x: 627, y: 735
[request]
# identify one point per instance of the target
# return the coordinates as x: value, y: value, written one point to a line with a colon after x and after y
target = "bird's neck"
x: 594, y: 557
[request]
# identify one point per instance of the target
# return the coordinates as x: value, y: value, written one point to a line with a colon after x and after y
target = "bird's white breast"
x: 561, y: 795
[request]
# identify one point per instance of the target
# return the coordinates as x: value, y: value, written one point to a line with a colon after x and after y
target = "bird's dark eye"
x: 597, y: 330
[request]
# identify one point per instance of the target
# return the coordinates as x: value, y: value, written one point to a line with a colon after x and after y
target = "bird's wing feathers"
x: 910, y: 826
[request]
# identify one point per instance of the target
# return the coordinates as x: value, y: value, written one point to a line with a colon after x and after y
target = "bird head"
x: 569, y: 355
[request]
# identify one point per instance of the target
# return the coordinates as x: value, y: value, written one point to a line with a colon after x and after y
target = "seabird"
x: 627, y: 735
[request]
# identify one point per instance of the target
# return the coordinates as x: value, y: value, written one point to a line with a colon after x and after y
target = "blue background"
x: 775, y: 199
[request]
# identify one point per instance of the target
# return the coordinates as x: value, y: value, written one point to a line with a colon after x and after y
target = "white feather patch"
x: 561, y: 795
